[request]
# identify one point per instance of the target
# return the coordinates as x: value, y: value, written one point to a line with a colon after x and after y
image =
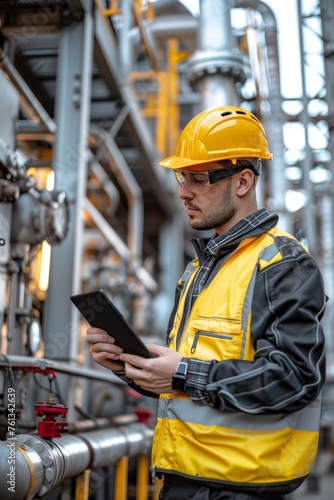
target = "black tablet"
x: 98, y: 310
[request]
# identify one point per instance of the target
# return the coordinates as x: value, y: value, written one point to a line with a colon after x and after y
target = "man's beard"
x: 222, y: 214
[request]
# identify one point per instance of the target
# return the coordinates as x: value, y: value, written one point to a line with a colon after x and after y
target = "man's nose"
x: 185, y: 193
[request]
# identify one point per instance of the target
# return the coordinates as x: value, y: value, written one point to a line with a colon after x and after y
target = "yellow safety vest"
x: 231, y: 448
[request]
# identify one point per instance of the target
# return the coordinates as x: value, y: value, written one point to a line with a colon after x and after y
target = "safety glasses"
x: 200, y: 181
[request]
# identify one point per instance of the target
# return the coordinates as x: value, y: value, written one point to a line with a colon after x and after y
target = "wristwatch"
x: 179, y: 379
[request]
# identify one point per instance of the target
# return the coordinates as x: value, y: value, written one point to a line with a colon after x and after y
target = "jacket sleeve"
x: 288, y: 371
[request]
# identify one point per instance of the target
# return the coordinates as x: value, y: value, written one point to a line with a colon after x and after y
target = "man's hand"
x: 152, y: 374
x: 103, y: 349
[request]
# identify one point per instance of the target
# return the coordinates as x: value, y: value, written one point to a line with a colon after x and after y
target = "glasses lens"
x: 200, y: 181
x: 197, y: 182
x: 179, y: 177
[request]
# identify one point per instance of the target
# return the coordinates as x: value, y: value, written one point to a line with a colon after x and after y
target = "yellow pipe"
x: 121, y: 479
x: 82, y: 485
x: 173, y: 90
x: 174, y: 58
x: 113, y: 9
x: 136, y: 12
x: 142, y: 478
x: 162, y: 114
x: 157, y: 487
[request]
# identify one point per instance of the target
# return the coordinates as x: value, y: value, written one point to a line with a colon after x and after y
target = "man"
x: 239, y: 382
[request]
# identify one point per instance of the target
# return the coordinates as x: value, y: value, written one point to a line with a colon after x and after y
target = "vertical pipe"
x: 327, y: 239
x: 9, y: 109
x: 217, y: 84
x: 14, y: 344
x: 173, y: 92
x: 124, y: 39
x: 73, y: 98
x: 82, y: 485
x: 327, y: 261
x: 121, y: 478
x: 215, y: 31
x: 309, y: 216
x: 142, y: 478
x: 274, y: 123
x: 158, y: 483
x: 134, y: 196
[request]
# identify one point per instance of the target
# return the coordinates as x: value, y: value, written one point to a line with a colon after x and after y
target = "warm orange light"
x: 50, y: 181
x: 44, y: 270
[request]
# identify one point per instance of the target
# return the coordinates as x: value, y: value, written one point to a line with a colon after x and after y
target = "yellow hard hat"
x: 222, y: 133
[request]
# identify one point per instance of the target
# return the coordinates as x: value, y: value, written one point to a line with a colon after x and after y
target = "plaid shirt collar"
x: 252, y: 225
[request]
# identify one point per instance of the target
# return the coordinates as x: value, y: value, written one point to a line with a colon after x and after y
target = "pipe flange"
x: 50, y: 458
x: 211, y: 62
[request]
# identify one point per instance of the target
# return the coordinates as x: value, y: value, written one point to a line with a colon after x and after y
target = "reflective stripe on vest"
x: 186, y: 410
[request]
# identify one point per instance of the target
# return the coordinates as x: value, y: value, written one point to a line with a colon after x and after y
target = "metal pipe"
x: 186, y: 26
x: 108, y: 186
x: 162, y: 27
x: 22, y: 470
x: 273, y: 124
x: 215, y: 25
x: 41, y: 465
x: 30, y: 102
x: 151, y: 53
x: 125, y: 55
x: 307, y: 162
x: 12, y: 361
x: 132, y: 191
x: 217, y: 65
x: 109, y: 233
x: 327, y: 267
x: 119, y: 246
x: 107, y: 61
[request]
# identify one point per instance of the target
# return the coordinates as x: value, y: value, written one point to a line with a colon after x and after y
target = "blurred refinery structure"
x: 92, y: 94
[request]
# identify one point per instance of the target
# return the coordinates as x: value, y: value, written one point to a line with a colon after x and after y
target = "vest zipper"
x: 188, y: 300
x: 187, y: 308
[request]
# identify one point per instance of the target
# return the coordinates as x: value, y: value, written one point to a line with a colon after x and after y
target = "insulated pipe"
x: 217, y: 65
x: 40, y: 465
x: 22, y: 471
x: 274, y: 123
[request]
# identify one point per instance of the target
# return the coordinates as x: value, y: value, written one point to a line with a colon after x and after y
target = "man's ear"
x: 245, y: 182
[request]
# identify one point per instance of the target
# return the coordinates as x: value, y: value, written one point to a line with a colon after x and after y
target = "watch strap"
x: 179, y: 378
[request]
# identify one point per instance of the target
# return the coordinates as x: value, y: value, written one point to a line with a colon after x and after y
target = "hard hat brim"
x: 176, y: 162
